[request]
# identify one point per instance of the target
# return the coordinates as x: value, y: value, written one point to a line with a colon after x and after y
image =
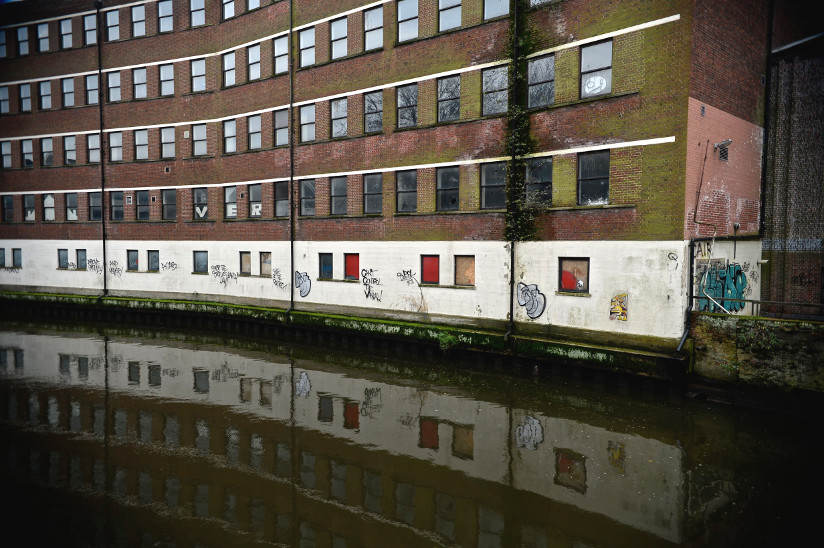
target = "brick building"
x: 392, y: 158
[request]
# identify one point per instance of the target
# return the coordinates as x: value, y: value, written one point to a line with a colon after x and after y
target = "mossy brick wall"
x: 759, y: 352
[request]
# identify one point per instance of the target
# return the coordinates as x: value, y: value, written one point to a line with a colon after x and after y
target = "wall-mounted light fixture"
x: 724, y: 143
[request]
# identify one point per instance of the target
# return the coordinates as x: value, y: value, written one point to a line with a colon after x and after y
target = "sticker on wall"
x: 530, y: 434
x: 618, y: 307
x: 530, y: 298
x: 303, y: 283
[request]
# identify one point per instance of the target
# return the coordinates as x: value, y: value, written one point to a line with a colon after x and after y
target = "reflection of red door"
x: 568, y: 280
x: 429, y: 434
x: 351, y: 415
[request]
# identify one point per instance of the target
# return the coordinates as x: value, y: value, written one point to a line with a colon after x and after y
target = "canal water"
x: 117, y: 437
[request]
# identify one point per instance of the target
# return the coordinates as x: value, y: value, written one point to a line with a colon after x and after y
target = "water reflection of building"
x: 254, y: 440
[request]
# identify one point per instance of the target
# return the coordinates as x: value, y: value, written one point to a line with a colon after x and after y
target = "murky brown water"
x: 156, y: 439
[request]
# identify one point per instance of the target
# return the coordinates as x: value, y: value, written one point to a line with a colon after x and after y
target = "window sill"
x: 201, y: 273
x: 472, y: 287
x: 573, y: 294
x: 586, y: 208
x: 582, y: 101
x: 337, y: 280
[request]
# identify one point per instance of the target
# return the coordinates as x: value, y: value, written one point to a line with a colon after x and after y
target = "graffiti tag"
x: 369, y: 281
x: 372, y: 402
x: 168, y: 372
x: 303, y: 283
x: 533, y: 300
x: 722, y: 283
x: 95, y: 265
x: 224, y: 373
x: 72, y: 265
x: 12, y: 270
x: 803, y: 280
x: 115, y: 269
x: 618, y: 307
x: 170, y: 265
x: 407, y: 277
x: 530, y: 434
x: 277, y: 279
x: 223, y: 274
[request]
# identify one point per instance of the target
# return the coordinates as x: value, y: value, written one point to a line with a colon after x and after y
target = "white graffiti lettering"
x: 303, y: 283
x: 533, y: 300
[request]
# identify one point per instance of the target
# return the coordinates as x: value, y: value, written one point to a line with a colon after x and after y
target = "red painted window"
x: 352, y: 266
x: 430, y: 266
x: 351, y: 415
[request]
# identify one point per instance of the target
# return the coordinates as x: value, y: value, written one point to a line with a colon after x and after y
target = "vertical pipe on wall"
x: 98, y: 5
x: 292, y: 205
x: 512, y: 122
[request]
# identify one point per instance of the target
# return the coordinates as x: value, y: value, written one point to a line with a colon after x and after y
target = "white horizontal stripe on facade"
x: 77, y: 14
x: 391, y: 169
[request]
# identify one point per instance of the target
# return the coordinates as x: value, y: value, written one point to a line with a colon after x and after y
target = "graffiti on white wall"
x: 718, y: 283
x: 370, y: 281
x: 95, y: 265
x: 115, y: 269
x: 618, y: 307
x: 303, y: 283
x: 169, y: 265
x: 223, y: 274
x: 407, y: 277
x: 277, y: 279
x: 530, y: 298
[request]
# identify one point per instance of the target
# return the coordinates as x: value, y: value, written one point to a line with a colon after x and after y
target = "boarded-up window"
x: 464, y: 270
x: 265, y: 263
x: 245, y: 390
x: 245, y: 263
x: 430, y: 267
x: 463, y: 441
x: 429, y: 434
x: 352, y: 262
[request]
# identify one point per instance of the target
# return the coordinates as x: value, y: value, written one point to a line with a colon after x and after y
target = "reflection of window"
x: 593, y: 178
x: 407, y: 20
x: 373, y: 28
x: 307, y: 197
x: 493, y: 185
x: 430, y: 269
x: 337, y: 195
x: 570, y: 470
x: 201, y: 378
x: 325, y: 409
x: 325, y: 266
x: 539, y: 181
x: 372, y: 491
x: 541, y: 81
x: 351, y: 415
x: 465, y: 270
x: 407, y: 191
x: 573, y: 274
x: 447, y: 191
x: 245, y: 390
x: 449, y: 98
x: 449, y: 14
x: 134, y: 372
x: 405, y: 502
x: 373, y: 112
x: 154, y: 374
x: 463, y: 441
x: 351, y: 266
x: 495, y: 94
x: 596, y: 69
x: 428, y: 433
x: 373, y: 193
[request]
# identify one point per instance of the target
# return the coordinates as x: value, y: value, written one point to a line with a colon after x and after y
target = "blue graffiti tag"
x: 722, y: 283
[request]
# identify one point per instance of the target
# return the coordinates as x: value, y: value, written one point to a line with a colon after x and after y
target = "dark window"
x: 596, y: 69
x: 337, y: 35
x: 325, y: 266
x: 373, y: 28
x: 142, y: 206
x: 430, y: 269
x: 593, y: 178
x: 573, y: 274
x: 200, y: 202
x: 539, y: 181
x: 169, y: 204
x: 373, y: 112
x: 153, y: 260
x: 307, y: 197
x: 255, y: 205
x: 541, y: 81
x: 495, y: 93
x: 448, y: 188
x: 407, y: 20
x: 281, y: 199
x: 449, y: 98
x: 95, y: 206
x: 81, y: 259
x: 28, y: 207
x: 131, y: 260
x: 408, y: 105
x: 373, y: 193
x: 116, y: 199
x: 351, y: 266
x: 71, y: 206
x: 230, y: 202
x: 8, y: 208
x: 493, y: 185
x: 62, y: 258
x: 407, y: 191
x: 201, y: 262
x: 337, y: 195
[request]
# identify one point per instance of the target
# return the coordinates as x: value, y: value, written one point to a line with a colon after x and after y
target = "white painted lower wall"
x: 635, y: 288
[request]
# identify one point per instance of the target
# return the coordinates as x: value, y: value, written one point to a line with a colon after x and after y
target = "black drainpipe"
x: 292, y: 205
x: 103, y: 214
x: 691, y: 296
x: 767, y: 98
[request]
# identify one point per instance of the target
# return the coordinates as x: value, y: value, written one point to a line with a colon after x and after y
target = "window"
x: 325, y: 266
x: 373, y: 112
x: 338, y: 32
x: 198, y: 67
x: 307, y: 197
x: 253, y: 59
x: 139, y: 21
x: 167, y: 142
x: 92, y: 89
x: 48, y: 207
x: 8, y: 209
x: 95, y: 206
x: 245, y: 263
x: 3, y: 52
x: 408, y: 106
x: 373, y: 193
x: 200, y: 203
x: 495, y: 8
x: 495, y: 95
x: 430, y: 269
x: 65, y: 33
x: 229, y: 136
x: 229, y: 69
x: 141, y: 144
x: 165, y: 17
x: 131, y: 260
x: 4, y: 99
x: 62, y: 258
x: 337, y: 195
x: 255, y: 204
x: 230, y: 202
x: 254, y: 131
x: 114, y: 86
x: 281, y: 199
x: 281, y: 127
x: 27, y: 153
x: 465, y: 270
x: 541, y: 81
x: 281, y: 53
x: 90, y: 30
x: 252, y: 4
x: 45, y: 95
x: 17, y: 258
x: 141, y: 212
x: 449, y: 98
x: 46, y: 151
x: 28, y: 207
x: 198, y: 13
x: 265, y: 263
x: 43, y: 37
x: 25, y: 97
x: 407, y: 20
x: 407, y: 191
x: 596, y: 69
x: 22, y: 41
x: 449, y: 14
x: 373, y: 28
x: 201, y: 262
x: 167, y: 80
x: 723, y: 152
x: 81, y: 259
x: 338, y: 113
x: 306, y: 40
x: 228, y: 9
x: 5, y: 154
x: 593, y: 178
x: 448, y: 188
x: 152, y: 260
x: 93, y: 148
x: 112, y: 25
x: 139, y: 90
x: 116, y: 146
x: 199, y: 147
x: 68, y: 92
x: 539, y: 182
x: 169, y: 198
x: 493, y: 185
x: 71, y: 206
x: 116, y: 203
x: 307, y: 123
x: 573, y: 274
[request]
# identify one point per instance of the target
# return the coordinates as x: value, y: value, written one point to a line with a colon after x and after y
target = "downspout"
x: 690, y: 301
x: 767, y: 98
x: 103, y: 214
x: 511, y: 323
x: 292, y: 205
